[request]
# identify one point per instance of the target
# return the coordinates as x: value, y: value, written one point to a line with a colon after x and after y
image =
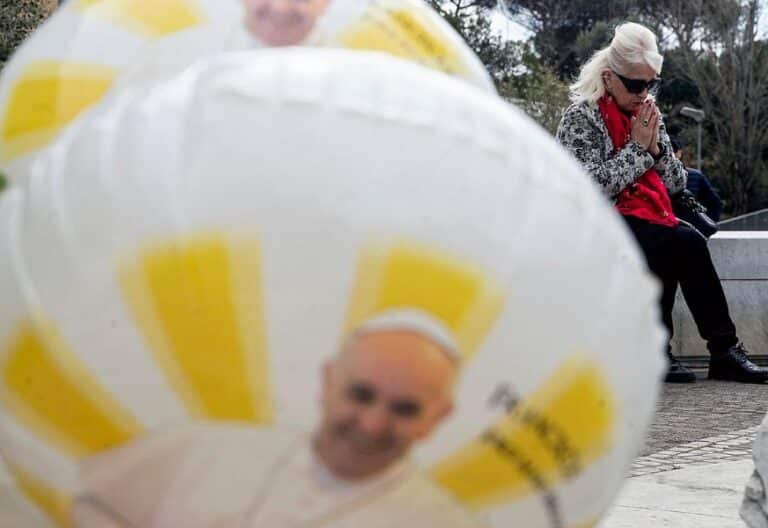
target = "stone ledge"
x: 740, y: 255
x: 741, y: 259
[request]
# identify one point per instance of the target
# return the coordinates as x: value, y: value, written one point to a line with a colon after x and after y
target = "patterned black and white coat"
x: 583, y: 132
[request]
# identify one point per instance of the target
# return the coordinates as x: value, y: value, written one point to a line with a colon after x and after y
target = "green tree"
x: 720, y: 55
x: 536, y: 89
x: 516, y: 68
x: 471, y: 19
x: 558, y: 26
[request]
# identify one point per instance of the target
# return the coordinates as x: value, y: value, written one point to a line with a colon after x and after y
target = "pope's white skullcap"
x: 411, y: 320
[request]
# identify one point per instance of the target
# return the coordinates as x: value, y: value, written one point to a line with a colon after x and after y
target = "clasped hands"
x: 645, y: 128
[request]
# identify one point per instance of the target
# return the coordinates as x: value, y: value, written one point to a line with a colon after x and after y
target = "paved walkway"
x: 696, y: 461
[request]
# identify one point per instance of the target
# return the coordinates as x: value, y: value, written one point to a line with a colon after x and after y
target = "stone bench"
x: 741, y: 259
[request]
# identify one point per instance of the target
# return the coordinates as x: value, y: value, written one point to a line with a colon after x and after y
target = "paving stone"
x: 690, y: 413
x: 703, y: 496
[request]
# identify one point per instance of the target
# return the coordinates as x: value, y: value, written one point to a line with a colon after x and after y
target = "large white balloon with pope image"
x: 90, y: 48
x: 312, y: 287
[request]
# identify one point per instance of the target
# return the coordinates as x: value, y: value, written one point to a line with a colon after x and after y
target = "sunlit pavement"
x: 697, y: 458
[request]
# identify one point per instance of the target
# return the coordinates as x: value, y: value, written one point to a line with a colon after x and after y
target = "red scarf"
x: 647, y: 198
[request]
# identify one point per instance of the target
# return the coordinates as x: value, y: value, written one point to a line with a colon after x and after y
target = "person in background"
x: 699, y: 185
x: 615, y: 130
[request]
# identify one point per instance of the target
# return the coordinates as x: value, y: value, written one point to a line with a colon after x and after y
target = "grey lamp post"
x: 697, y: 115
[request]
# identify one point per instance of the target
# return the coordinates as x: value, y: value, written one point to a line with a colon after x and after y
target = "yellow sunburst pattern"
x: 406, y: 275
x: 541, y: 441
x: 588, y: 524
x: 158, y: 18
x: 47, y: 96
x: 199, y: 304
x: 47, y: 388
x: 54, y: 503
x: 405, y: 33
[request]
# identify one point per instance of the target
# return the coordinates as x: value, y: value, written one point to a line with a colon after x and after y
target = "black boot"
x: 734, y: 365
x: 677, y: 372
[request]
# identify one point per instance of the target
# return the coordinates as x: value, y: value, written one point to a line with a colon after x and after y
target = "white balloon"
x: 89, y: 49
x: 235, y: 222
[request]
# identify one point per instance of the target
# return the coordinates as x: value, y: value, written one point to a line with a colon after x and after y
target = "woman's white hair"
x: 632, y: 45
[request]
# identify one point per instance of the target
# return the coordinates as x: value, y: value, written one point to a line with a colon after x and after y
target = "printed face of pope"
x: 282, y: 22
x: 384, y: 392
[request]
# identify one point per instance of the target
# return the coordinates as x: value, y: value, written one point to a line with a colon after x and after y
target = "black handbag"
x: 688, y: 209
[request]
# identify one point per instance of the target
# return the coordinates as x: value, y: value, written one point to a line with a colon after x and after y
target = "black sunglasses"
x: 637, y: 86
